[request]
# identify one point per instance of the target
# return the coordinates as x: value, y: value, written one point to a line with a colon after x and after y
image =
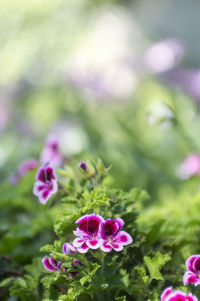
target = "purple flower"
x: 112, y: 237
x: 88, y: 233
x: 163, y: 55
x: 169, y: 295
x: 50, y: 264
x: 193, y: 270
x: 69, y: 249
x: 83, y: 165
x: 51, y: 153
x: 27, y: 165
x: 190, y: 166
x: 186, y: 79
x: 46, y: 183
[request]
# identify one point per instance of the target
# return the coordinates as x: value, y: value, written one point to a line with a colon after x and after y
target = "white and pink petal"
x: 190, y: 277
x: 123, y: 238
x: 117, y: 247
x: 168, y: 290
x: 78, y: 242
x: 105, y: 246
x: 83, y: 248
x: 93, y: 243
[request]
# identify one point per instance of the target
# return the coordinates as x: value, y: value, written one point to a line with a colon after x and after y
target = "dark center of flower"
x: 89, y: 225
x: 109, y: 228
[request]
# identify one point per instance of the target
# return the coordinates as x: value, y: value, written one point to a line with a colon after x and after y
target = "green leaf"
x: 155, y: 264
x: 95, y: 267
x: 122, y: 298
x: 6, y: 281
x: 84, y: 279
x: 21, y: 282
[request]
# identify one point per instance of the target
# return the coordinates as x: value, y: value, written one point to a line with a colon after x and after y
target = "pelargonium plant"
x: 92, y: 247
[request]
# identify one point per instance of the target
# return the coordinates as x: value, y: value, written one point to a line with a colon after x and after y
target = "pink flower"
x: 193, y: 270
x: 169, y: 295
x: 51, y: 153
x: 50, y: 264
x: 27, y: 165
x: 23, y: 169
x: 190, y: 166
x: 69, y: 248
x: 46, y: 183
x: 88, y: 233
x: 112, y: 237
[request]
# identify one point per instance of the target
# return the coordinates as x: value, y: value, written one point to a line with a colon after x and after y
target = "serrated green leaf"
x: 155, y: 264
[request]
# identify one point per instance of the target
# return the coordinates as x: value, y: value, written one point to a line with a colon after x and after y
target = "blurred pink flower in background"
x: 46, y: 183
x: 186, y: 79
x: 26, y: 166
x: 190, y: 166
x: 163, y: 55
x: 52, y: 153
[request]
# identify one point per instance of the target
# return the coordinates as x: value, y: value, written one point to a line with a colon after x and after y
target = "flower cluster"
x: 46, y: 183
x: 192, y: 275
x: 193, y: 270
x: 94, y: 232
x: 175, y: 295
x: 52, y: 265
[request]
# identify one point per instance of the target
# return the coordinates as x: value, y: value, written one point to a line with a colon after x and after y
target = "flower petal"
x: 68, y: 248
x: 120, y: 222
x: 53, y: 262
x: 93, y: 243
x: 166, y: 292
x: 47, y: 265
x: 123, y: 238
x: 105, y: 246
x: 191, y: 297
x: 54, y: 187
x: 117, y: 247
x: 78, y: 242
x: 196, y: 264
x: 189, y: 263
x: 190, y: 277
x: 90, y: 223
x: 83, y: 248
x: 50, y: 175
x: 109, y: 228
x: 41, y: 175
x: 176, y: 296
x: 38, y: 187
x: 44, y: 196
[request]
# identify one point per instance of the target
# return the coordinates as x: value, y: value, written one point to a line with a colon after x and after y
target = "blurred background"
x: 118, y: 80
